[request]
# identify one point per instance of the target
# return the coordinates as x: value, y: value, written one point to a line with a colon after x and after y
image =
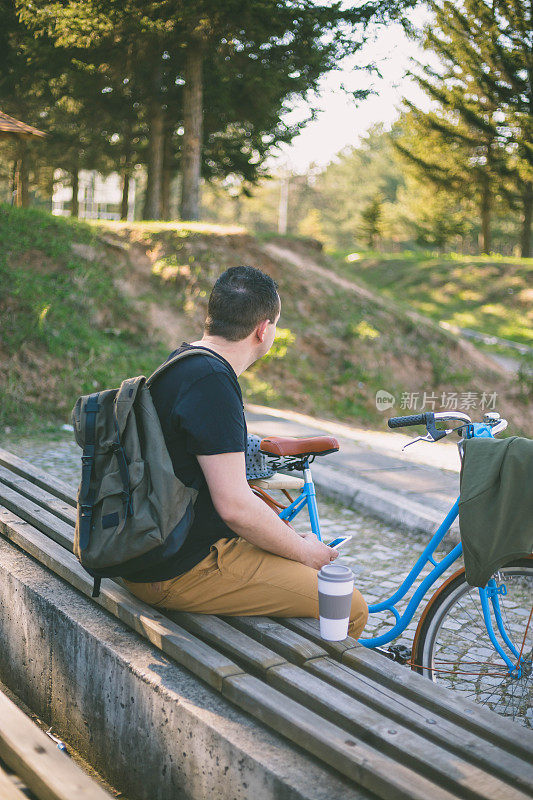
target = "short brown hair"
x: 242, y: 297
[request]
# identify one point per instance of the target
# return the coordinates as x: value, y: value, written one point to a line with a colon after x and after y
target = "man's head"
x: 244, y: 301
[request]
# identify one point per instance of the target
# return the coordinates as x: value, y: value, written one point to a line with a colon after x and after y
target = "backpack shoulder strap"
x: 192, y: 352
x: 86, y: 498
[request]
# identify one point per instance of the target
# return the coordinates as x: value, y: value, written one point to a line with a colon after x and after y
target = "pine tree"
x: 371, y: 221
x: 469, y: 101
x: 505, y: 45
x: 188, y: 56
x: 350, y: 183
x: 23, y: 90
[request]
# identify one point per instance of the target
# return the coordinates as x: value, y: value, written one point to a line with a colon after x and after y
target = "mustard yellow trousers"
x: 239, y: 579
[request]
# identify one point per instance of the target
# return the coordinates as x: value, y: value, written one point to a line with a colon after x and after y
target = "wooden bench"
x: 377, y: 723
x: 36, y: 764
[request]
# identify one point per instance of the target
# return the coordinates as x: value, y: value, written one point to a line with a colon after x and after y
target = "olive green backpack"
x: 133, y: 512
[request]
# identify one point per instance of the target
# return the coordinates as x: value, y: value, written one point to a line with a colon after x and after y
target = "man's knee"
x: 358, y: 614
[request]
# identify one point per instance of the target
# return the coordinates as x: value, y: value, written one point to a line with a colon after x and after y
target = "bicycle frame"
x: 307, y: 497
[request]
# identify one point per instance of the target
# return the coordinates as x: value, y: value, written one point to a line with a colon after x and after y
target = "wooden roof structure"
x: 9, y: 126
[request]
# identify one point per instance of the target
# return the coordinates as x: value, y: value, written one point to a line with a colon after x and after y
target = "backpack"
x: 132, y: 510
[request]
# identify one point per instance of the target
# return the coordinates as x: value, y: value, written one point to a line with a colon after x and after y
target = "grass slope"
x: 85, y: 306
x: 489, y: 294
x: 65, y: 329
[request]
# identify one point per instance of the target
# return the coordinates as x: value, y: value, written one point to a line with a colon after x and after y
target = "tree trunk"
x: 155, y: 165
x: 167, y: 174
x: 525, y: 238
x: 24, y: 178
x: 126, y: 166
x: 75, y: 180
x: 486, y: 207
x: 191, y: 155
x: 15, y: 184
x: 124, y: 205
x: 147, y: 191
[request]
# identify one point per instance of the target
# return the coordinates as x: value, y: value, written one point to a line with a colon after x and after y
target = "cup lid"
x: 335, y: 572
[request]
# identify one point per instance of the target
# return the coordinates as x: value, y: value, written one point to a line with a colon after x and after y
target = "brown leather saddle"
x: 290, y: 446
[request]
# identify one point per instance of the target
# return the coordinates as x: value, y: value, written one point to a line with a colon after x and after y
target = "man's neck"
x: 238, y: 354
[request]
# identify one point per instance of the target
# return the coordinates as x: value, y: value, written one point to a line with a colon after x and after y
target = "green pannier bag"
x: 133, y: 512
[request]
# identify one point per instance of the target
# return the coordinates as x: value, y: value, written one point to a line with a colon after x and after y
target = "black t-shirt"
x: 200, y: 408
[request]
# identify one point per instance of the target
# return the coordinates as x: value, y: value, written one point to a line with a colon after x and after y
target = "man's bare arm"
x: 249, y: 517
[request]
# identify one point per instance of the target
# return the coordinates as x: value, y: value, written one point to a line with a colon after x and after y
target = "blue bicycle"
x: 477, y: 641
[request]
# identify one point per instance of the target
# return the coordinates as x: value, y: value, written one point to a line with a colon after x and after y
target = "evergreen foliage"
x: 329, y: 204
x: 476, y: 142
x: 200, y: 87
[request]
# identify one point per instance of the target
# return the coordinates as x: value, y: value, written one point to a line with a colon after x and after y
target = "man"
x: 239, y: 557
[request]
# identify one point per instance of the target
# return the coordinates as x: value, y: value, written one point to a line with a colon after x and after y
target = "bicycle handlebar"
x: 414, y: 419
x: 457, y: 415
x: 429, y: 418
x: 499, y: 427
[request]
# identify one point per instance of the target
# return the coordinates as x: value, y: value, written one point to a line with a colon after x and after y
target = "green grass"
x: 66, y: 330
x: 490, y: 294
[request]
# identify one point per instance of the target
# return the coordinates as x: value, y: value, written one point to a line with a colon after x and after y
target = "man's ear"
x: 261, y: 330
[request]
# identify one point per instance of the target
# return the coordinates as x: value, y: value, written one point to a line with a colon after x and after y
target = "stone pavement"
x: 370, y: 473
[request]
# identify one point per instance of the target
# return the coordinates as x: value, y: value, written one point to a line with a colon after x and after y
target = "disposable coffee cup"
x: 335, y: 590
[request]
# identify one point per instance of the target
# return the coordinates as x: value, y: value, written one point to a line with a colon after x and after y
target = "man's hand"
x: 321, y: 554
x: 318, y: 553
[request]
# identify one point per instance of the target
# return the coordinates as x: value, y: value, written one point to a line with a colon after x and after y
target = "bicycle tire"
x: 451, y: 636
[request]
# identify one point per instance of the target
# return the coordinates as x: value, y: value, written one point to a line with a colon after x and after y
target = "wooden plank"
x: 279, y: 481
x: 48, y: 772
x: 214, y: 630
x: 433, y: 756
x: 46, y: 522
x: 433, y: 727
x: 310, y: 629
x: 428, y: 756
x: 364, y: 764
x: 454, y: 772
x: 437, y: 699
x: 443, y: 701
x: 375, y: 705
x: 287, y: 643
x: 38, y: 476
x: 476, y: 756
x: 45, y: 499
x: 9, y: 789
x: 410, y: 715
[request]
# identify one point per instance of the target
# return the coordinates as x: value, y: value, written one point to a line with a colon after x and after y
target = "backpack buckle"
x: 85, y: 509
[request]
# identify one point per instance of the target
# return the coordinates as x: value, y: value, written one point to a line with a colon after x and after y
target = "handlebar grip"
x: 401, y: 422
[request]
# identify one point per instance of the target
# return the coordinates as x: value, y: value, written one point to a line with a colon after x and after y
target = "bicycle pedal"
x: 400, y: 653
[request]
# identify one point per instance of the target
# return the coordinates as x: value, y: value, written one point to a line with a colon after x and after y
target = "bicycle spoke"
x: 461, y: 655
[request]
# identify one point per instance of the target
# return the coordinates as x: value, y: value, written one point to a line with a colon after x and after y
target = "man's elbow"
x: 235, y: 511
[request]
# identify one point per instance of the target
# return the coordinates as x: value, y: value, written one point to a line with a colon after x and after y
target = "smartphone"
x: 336, y: 543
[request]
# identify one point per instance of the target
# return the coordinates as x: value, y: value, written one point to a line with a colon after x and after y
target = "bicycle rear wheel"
x: 452, y: 646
